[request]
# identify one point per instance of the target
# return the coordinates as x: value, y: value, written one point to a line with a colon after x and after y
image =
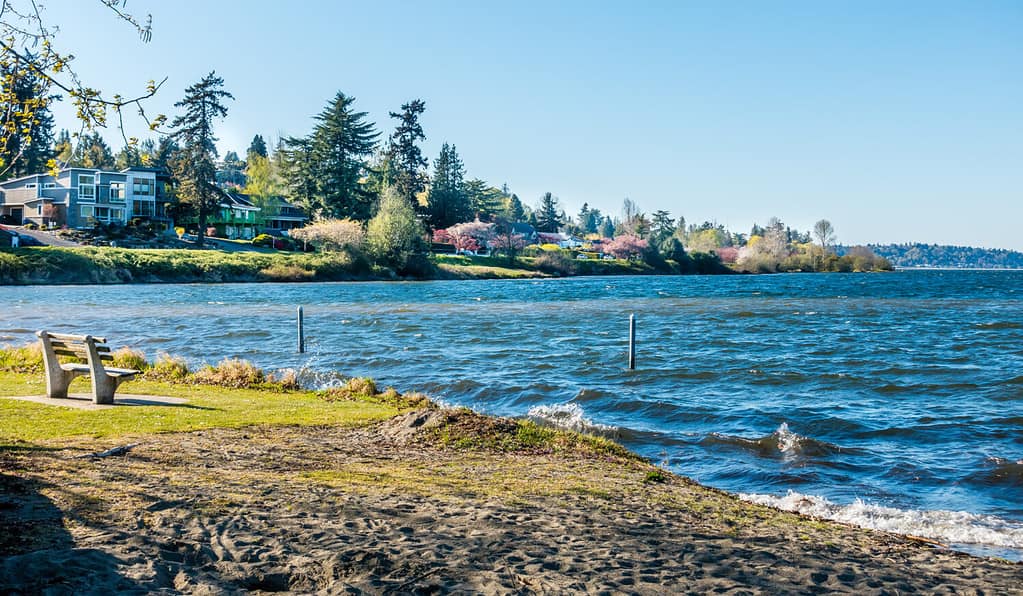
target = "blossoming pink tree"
x: 625, y: 247
x: 473, y: 235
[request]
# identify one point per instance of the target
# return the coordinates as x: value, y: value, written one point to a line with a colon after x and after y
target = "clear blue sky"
x: 898, y: 121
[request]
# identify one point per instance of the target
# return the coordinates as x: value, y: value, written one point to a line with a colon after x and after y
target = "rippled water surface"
x: 887, y: 396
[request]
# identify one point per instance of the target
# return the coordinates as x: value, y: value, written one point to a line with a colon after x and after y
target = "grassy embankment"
x: 235, y: 394
x: 102, y: 265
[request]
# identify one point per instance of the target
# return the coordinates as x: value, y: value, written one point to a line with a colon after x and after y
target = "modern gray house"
x: 80, y: 197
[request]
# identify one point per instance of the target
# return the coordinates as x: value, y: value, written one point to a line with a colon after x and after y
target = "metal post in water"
x: 632, y: 341
x: 301, y: 331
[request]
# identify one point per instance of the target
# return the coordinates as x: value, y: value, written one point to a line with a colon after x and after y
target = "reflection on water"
x: 901, y: 390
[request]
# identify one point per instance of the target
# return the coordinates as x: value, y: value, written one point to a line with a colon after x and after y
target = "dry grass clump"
x: 236, y: 373
x: 365, y: 389
x: 284, y: 380
x: 168, y: 368
x: 278, y: 272
x: 230, y: 372
x: 129, y: 358
x: 23, y: 359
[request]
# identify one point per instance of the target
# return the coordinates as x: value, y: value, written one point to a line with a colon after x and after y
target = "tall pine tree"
x: 448, y: 202
x: 195, y: 169
x: 340, y: 145
x: 404, y: 160
x: 548, y: 217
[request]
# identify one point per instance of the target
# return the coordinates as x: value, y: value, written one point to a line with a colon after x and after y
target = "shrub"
x: 263, y: 240
x: 557, y: 263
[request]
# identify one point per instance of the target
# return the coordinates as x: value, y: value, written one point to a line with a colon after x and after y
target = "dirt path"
x: 380, y: 510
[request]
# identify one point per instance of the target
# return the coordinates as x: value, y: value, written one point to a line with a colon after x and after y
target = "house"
x: 561, y: 239
x: 81, y: 197
x: 525, y: 230
x: 237, y: 217
x: 279, y: 216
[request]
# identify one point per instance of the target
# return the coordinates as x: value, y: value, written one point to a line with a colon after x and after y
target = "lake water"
x: 887, y: 400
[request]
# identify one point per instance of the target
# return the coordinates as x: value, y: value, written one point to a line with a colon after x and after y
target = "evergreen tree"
x: 484, y: 200
x: 63, y: 148
x: 128, y: 157
x: 195, y: 168
x: 448, y: 202
x: 26, y: 147
x: 93, y: 152
x: 147, y: 152
x: 339, y: 147
x: 662, y: 229
x: 256, y: 147
x: 165, y: 153
x: 404, y: 161
x: 514, y: 210
x: 548, y: 217
x: 295, y: 157
x: 606, y: 228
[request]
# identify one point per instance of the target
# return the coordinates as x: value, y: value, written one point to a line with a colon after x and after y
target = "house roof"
x: 236, y: 201
x: 523, y: 228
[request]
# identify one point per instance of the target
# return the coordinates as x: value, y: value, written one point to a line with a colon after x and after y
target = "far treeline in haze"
x: 947, y: 257
x: 377, y: 198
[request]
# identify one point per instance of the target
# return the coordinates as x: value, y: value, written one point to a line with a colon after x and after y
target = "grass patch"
x: 464, y: 429
x: 207, y: 407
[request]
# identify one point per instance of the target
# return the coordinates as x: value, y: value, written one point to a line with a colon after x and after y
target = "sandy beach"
x: 390, y: 509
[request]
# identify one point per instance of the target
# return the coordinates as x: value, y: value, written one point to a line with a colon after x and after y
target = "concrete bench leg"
x: 58, y: 381
x: 103, y: 388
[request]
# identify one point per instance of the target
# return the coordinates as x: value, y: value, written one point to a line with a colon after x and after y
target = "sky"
x: 896, y: 121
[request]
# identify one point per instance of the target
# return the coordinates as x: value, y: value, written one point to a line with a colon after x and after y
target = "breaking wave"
x: 955, y: 528
x: 569, y: 417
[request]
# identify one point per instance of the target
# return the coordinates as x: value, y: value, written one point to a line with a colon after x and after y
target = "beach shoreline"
x: 390, y: 507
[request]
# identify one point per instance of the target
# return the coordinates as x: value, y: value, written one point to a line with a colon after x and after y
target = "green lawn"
x: 207, y: 407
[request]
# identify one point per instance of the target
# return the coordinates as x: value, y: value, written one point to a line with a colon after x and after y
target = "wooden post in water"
x: 632, y: 341
x: 301, y: 331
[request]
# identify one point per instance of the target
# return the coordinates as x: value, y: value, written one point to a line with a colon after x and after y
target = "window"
x: 86, y: 187
x: 88, y: 211
x: 31, y: 185
x: 143, y: 187
x: 143, y: 208
x: 117, y: 192
x: 117, y: 214
x: 49, y: 185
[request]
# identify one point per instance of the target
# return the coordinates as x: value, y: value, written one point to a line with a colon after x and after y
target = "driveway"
x: 47, y: 238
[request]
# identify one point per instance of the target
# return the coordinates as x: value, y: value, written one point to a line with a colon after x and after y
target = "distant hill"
x: 955, y: 257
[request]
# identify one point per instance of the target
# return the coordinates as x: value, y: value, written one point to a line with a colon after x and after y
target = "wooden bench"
x: 91, y: 349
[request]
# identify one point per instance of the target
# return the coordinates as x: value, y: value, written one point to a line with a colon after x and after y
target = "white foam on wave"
x: 949, y: 527
x: 568, y: 416
x: 788, y: 441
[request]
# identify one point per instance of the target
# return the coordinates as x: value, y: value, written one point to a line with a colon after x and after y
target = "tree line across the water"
x: 946, y: 256
x: 376, y: 194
